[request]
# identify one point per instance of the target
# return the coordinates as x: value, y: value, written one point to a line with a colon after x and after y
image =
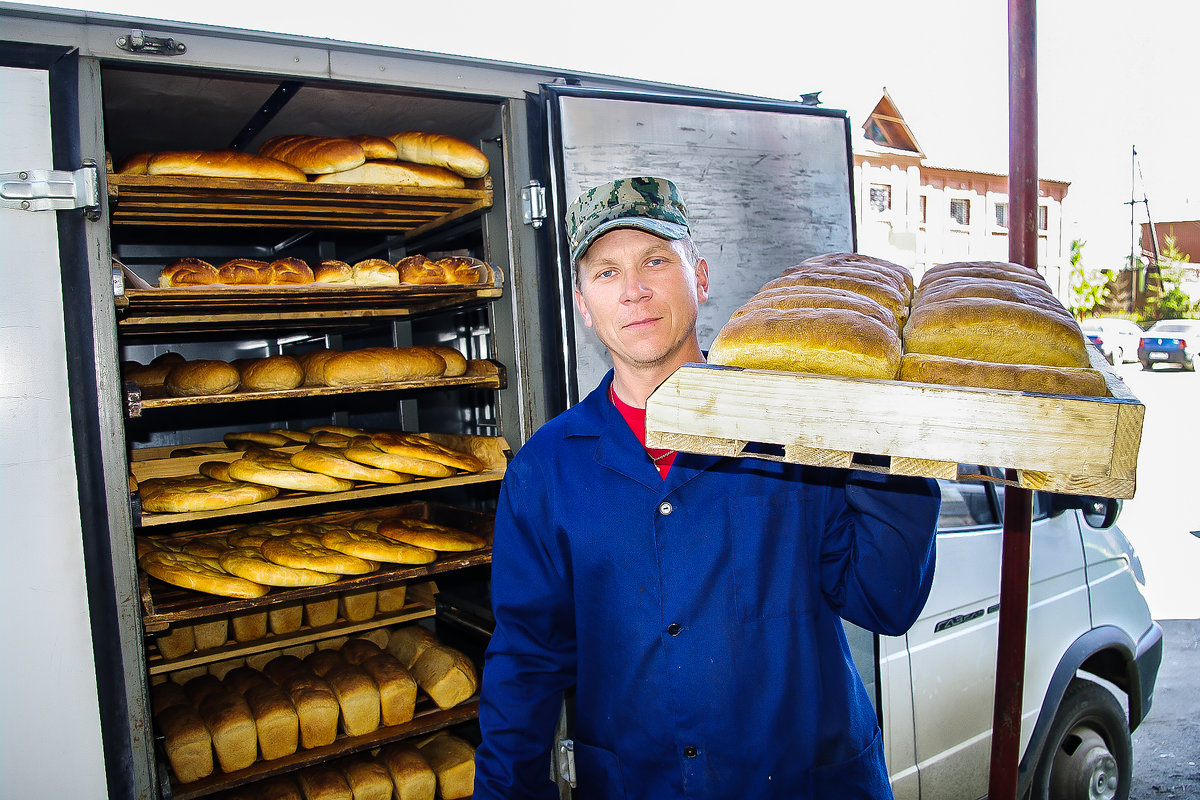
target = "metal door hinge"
x: 52, y: 190
x: 564, y: 761
x: 138, y: 42
x: 533, y: 203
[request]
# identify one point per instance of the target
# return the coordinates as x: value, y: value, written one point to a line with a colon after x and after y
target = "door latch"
x: 564, y: 761
x: 138, y: 42
x: 533, y: 203
x: 52, y: 190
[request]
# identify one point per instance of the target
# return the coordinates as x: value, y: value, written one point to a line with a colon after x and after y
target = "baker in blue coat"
x: 692, y: 602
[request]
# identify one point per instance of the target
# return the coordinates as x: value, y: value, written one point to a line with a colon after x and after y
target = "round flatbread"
x: 192, y: 572
x: 430, y: 535
x: 251, y: 564
x: 254, y: 535
x: 240, y: 440
x: 297, y: 437
x: 305, y: 551
x: 376, y: 547
x: 198, y: 493
x: 333, y: 462
x: 283, y: 475
x: 217, y: 470
x: 210, y: 547
x: 364, y: 451
x: 421, y: 447
x: 341, y: 430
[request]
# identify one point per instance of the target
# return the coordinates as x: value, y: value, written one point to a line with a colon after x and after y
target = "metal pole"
x: 1018, y: 503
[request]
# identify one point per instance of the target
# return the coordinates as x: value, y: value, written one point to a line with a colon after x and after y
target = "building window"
x: 1043, y: 218
x: 881, y: 197
x: 960, y: 210
x: 924, y: 216
x: 1001, y: 215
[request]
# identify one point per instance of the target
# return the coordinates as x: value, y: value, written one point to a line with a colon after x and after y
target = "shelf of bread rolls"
x: 794, y: 381
x: 216, y: 480
x: 168, y: 603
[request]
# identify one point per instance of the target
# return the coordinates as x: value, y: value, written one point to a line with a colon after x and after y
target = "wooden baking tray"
x: 1056, y: 443
x: 480, y: 374
x: 170, y: 200
x: 156, y: 462
x: 428, y: 718
x: 164, y: 605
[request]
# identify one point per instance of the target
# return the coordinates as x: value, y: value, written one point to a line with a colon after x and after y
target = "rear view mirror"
x: 1098, y: 512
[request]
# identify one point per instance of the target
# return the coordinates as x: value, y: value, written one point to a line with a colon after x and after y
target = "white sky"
x: 1110, y: 76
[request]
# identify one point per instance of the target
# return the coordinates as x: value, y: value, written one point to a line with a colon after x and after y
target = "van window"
x: 966, y: 504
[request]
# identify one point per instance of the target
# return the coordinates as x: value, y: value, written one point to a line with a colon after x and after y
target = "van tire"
x: 1088, y: 751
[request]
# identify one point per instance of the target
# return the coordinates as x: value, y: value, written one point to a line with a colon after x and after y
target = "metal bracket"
x: 133, y: 399
x: 533, y: 203
x: 138, y: 42
x: 564, y: 761
x: 52, y: 190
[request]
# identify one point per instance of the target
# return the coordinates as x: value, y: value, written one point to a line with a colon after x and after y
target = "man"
x: 691, y: 601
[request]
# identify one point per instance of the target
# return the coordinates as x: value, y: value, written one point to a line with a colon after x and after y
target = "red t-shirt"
x: 636, y: 419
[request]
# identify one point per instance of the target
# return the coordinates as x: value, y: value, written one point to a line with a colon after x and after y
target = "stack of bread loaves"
x: 300, y: 703
x: 837, y: 314
x: 410, y: 158
x: 995, y: 325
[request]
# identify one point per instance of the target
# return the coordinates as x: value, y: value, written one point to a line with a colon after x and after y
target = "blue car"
x: 1171, y: 341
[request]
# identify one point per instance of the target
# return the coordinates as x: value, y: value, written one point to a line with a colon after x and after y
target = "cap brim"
x: 658, y: 227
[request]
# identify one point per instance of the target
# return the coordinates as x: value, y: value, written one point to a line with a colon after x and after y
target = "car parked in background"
x: 1171, y: 341
x: 1117, y: 338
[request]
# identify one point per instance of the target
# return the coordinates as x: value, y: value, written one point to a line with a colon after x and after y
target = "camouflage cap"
x: 647, y: 204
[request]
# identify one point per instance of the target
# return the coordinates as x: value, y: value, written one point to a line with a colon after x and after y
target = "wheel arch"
x: 1106, y: 652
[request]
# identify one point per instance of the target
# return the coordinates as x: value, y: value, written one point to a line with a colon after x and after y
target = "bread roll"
x: 304, y: 552
x: 824, y: 341
x: 377, y: 547
x: 441, y: 151
x: 315, y: 155
x: 243, y: 271
x: 453, y: 762
x: 368, y: 780
x: 409, y: 642
x: 376, y: 148
x: 187, y: 742
x: 397, y: 687
x: 274, y: 373
x: 201, y: 377
x: 1082, y: 382
x: 333, y: 271
x: 456, y: 362
x: 460, y: 271
x: 446, y: 675
x: 375, y: 272
x: 431, y: 535
x: 358, y: 697
x: 397, y: 173
x: 190, y: 572
x: 984, y: 329
x: 329, y: 461
x: 289, y: 271
x: 223, y: 164
x: 418, y: 270
x: 231, y: 724
x: 411, y: 774
x: 188, y: 272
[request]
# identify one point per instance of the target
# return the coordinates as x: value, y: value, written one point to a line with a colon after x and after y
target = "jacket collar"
x: 619, y: 450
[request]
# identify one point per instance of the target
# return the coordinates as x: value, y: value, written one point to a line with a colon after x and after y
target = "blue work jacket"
x: 696, y: 617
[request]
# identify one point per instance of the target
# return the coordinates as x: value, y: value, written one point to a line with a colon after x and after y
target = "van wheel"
x: 1088, y: 753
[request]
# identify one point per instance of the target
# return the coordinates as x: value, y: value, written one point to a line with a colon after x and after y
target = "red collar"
x: 636, y: 419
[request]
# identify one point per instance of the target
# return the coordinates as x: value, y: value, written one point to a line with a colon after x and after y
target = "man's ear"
x: 702, y: 280
x: 582, y: 306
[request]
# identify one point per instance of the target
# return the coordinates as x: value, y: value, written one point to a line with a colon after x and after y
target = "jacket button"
x: 665, y: 508
x: 690, y: 751
x: 674, y: 629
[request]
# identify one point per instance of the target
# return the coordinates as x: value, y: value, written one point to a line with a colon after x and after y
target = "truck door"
x: 767, y: 184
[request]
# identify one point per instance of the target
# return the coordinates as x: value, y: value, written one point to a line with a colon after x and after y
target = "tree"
x: 1088, y: 289
x: 1173, y: 303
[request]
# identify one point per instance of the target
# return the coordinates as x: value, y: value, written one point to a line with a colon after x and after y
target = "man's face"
x: 641, y: 296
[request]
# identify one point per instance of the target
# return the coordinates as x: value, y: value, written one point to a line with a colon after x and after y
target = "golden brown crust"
x: 135, y: 164
x: 333, y: 271
x: 358, y: 696
x: 456, y: 362
x: 314, y: 365
x: 187, y: 742
x: 396, y: 173
x: 234, y: 737
x: 373, y: 365
x: 786, y: 298
x: 376, y: 148
x: 275, y: 719
x: 376, y: 547
x: 418, y: 270
x: 446, y: 675
x: 823, y: 341
x: 283, y: 475
x: 188, y: 272
x: 289, y: 271
x: 886, y: 295
x: 863, y: 262
x: 314, y: 155
x: 978, y: 270
x: 201, y: 377
x: 851, y: 269
x: 273, y: 373
x: 223, y: 164
x: 368, y: 780
x: 985, y: 329
x: 193, y: 572
x: 411, y: 773
x: 333, y: 462
x: 442, y: 151
x: 1076, y: 381
x: 453, y: 761
x: 243, y: 271
x: 240, y: 440
x: 420, y: 447
x: 375, y: 272
x: 251, y: 564
x: 304, y: 551
x: 181, y: 495
x: 431, y: 535
x: 409, y: 642
x: 1013, y: 291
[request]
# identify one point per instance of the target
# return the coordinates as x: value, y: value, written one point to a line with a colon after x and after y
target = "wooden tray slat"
x: 1057, y: 443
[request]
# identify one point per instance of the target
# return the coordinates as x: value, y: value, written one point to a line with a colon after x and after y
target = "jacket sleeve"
x: 531, y: 658
x: 877, y: 555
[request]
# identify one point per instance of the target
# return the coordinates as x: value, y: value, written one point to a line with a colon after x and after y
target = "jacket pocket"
x: 863, y: 777
x: 774, y: 564
x: 598, y: 773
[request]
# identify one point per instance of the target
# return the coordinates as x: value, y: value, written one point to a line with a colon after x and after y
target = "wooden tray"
x: 156, y: 462
x: 1078, y: 445
x: 160, y: 200
x: 164, y: 605
x: 479, y: 375
x: 429, y: 718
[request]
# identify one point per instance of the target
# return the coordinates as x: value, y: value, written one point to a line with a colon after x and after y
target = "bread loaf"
x: 357, y: 606
x: 274, y: 373
x: 166, y: 694
x: 275, y: 720
x: 154, y: 373
x: 314, y: 155
x: 323, y: 783
x: 229, y: 720
x: 187, y: 742
x: 861, y: 261
x: 316, y: 707
x: 358, y: 650
x: 188, y: 272
x: 784, y: 299
x: 409, y: 642
x: 446, y: 675
x: 243, y: 271
x: 825, y: 341
x: 367, y: 779
x: 886, y: 295
x: 289, y: 271
x: 211, y: 634
x: 201, y: 377
x: 375, y: 272
x: 248, y: 626
x: 281, y: 787
x: 135, y: 164
x: 358, y: 697
x: 456, y: 362
x: 943, y: 370
x: 333, y: 271
x: 441, y: 151
x: 392, y: 598
x: 397, y: 688
x: 374, y: 365
x: 376, y: 148
x: 223, y: 164
x: 453, y: 762
x: 322, y: 662
x: 412, y: 776
x: 319, y: 613
x: 314, y: 366
x: 397, y: 173
x: 179, y: 641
